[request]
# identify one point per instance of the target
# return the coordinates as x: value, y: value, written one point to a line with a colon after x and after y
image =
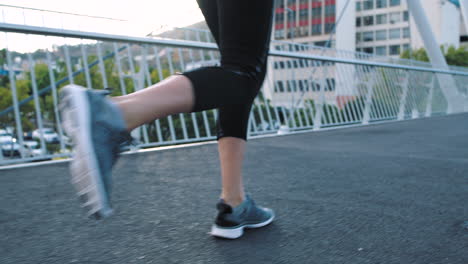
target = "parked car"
x: 28, y: 135
x: 50, y: 136
x: 32, y: 149
x: 5, y: 137
x: 11, y: 149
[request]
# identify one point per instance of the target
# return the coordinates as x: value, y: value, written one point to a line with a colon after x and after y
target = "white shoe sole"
x: 85, y: 174
x: 233, y: 233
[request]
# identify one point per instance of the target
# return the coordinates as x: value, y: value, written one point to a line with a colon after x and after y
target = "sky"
x: 142, y: 16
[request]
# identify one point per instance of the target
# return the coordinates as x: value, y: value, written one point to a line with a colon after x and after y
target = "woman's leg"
x: 252, y: 31
x: 231, y: 149
x: 231, y: 155
x: 231, y: 87
x: 171, y: 96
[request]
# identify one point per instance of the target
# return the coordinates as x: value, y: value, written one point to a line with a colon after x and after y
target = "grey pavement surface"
x: 387, y: 193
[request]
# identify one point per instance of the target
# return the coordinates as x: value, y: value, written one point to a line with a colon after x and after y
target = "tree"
x: 453, y: 56
x: 2, y: 57
x: 5, y: 101
x: 457, y: 57
x: 23, y: 88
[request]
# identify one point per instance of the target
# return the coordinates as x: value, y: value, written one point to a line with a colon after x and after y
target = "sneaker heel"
x: 230, y: 233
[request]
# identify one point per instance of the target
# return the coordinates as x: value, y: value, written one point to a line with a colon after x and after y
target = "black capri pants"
x: 242, y: 30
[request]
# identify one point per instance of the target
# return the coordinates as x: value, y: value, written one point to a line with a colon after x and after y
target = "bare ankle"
x: 233, y: 201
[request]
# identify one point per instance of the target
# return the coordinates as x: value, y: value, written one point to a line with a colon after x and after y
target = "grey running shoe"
x: 231, y: 222
x: 97, y: 129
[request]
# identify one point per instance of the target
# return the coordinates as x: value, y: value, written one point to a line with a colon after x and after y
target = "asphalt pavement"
x: 386, y: 193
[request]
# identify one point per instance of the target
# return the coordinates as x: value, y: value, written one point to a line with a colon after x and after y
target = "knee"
x: 222, y: 86
x: 254, y: 71
x: 244, y: 81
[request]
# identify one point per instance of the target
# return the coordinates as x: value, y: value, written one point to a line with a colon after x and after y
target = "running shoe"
x: 97, y: 129
x: 230, y: 222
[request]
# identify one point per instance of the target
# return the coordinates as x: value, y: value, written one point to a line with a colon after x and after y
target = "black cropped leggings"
x: 242, y: 30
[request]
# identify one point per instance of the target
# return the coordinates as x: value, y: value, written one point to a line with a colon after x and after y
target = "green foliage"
x: 419, y: 54
x: 155, y: 75
x: 457, y: 57
x: 353, y: 110
x: 2, y: 57
x: 3, y: 79
x: 5, y: 101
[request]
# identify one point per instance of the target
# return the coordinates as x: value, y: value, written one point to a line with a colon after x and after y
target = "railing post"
x: 181, y: 115
x: 19, y: 127
x: 68, y: 64
x: 401, y: 111
x: 429, y: 97
x: 321, y: 99
x: 368, y: 104
x: 84, y: 57
x: 326, y: 76
x: 37, y: 106
x: 123, y: 88
x: 55, y: 98
x: 161, y: 77
x: 102, y: 67
x: 171, y: 70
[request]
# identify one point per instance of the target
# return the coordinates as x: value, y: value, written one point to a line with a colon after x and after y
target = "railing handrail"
x: 26, y: 29
x: 61, y: 12
x: 296, y: 55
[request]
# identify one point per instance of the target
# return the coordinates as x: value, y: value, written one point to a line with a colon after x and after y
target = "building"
x: 381, y: 27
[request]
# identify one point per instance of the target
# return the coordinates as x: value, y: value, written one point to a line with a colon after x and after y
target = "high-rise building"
x: 309, y: 21
x: 381, y: 27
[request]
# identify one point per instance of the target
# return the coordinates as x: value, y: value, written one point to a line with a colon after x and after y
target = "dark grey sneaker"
x: 230, y: 222
x: 97, y: 129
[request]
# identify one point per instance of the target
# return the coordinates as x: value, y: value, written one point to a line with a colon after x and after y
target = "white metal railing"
x: 306, y: 87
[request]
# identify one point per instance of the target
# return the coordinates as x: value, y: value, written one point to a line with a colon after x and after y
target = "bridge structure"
x: 362, y: 157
